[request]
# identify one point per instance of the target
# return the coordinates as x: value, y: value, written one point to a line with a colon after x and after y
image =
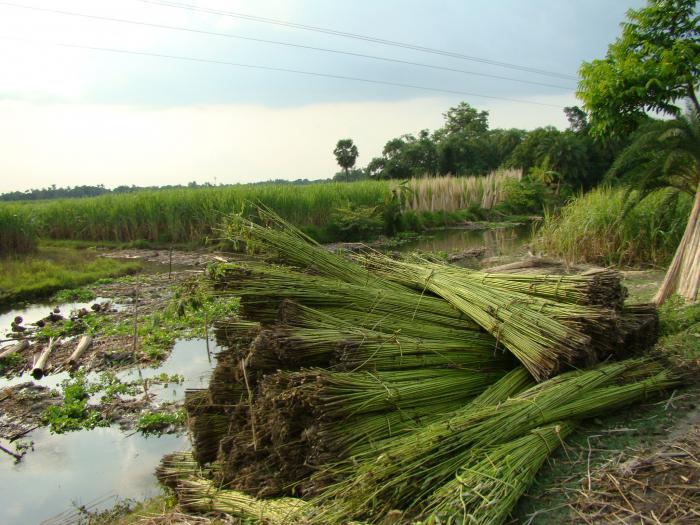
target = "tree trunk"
x: 83, y: 345
x: 18, y: 347
x: 39, y: 369
x: 683, y: 275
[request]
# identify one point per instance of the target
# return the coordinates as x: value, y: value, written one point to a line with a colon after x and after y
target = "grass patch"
x: 18, y: 230
x: 49, y: 270
x: 592, y: 228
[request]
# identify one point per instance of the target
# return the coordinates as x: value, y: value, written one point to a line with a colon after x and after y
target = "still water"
x: 81, y: 468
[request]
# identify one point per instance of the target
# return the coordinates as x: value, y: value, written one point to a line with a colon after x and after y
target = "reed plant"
x: 18, y: 230
x: 600, y: 227
x: 195, y: 214
x: 450, y: 194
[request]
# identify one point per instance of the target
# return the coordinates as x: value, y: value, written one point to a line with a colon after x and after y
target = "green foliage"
x: 18, y: 230
x: 193, y: 215
x: 650, y: 67
x: 82, y: 295
x: 522, y: 197
x: 157, y: 422
x: 356, y: 223
x: 52, y: 269
x: 593, y: 228
x: 661, y: 153
x: 8, y: 362
x: 677, y: 317
x: 345, y: 154
x: 74, y: 413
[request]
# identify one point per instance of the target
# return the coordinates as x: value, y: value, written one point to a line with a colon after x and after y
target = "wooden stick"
x: 8, y: 451
x: 38, y: 370
x: 83, y: 345
x: 22, y: 345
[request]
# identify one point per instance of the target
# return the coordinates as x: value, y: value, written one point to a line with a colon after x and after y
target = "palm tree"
x: 667, y: 153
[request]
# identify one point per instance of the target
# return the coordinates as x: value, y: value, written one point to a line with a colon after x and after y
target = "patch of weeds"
x: 75, y: 413
x: 158, y: 422
x: 166, y: 380
x: 9, y: 362
x: 676, y: 316
x: 111, y: 387
x: 121, y: 508
x: 82, y: 295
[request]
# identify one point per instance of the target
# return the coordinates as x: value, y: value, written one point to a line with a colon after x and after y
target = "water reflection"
x: 496, y: 241
x: 82, y: 467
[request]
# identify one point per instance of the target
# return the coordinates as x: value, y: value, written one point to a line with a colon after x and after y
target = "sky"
x: 83, y: 99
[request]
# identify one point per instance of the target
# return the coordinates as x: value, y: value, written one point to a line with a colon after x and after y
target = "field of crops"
x: 194, y: 215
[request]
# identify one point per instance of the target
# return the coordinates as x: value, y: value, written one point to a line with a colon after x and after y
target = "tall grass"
x: 450, y: 194
x: 191, y: 215
x: 18, y: 233
x: 593, y: 229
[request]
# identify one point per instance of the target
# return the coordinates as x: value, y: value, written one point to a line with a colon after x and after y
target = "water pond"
x: 82, y: 468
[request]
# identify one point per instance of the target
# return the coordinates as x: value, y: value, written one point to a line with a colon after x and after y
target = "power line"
x: 281, y: 43
x: 281, y: 70
x: 366, y: 38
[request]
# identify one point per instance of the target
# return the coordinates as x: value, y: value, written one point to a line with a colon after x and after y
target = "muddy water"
x: 84, y: 467
x: 497, y: 241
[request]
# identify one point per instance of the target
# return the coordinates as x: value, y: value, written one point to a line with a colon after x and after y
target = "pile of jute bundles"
x: 374, y: 389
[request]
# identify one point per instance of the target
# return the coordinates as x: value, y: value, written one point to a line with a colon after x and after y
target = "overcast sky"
x: 70, y: 115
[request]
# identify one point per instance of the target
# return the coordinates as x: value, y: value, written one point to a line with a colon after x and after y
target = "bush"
x: 593, y: 228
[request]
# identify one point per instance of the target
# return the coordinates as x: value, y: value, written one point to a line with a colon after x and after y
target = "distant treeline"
x: 93, y: 191
x: 466, y: 146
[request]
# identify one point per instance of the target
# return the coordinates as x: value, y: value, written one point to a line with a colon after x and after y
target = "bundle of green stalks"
x: 489, y: 484
x: 316, y: 338
x: 345, y: 394
x: 594, y: 287
x: 542, y: 334
x: 177, y: 466
x: 263, y: 288
x: 295, y: 248
x: 201, y: 495
x: 403, y: 474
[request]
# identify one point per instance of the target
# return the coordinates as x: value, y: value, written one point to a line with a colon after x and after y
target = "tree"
x: 464, y: 119
x: 346, y: 154
x: 654, y: 65
x: 667, y: 153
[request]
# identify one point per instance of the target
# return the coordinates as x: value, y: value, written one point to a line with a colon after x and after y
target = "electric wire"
x: 281, y: 43
x: 280, y: 69
x: 367, y: 38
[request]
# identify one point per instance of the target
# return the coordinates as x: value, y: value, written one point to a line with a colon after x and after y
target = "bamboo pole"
x: 83, y: 345
x: 39, y: 367
x: 21, y: 345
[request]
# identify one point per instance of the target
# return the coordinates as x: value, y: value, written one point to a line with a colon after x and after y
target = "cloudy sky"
x: 84, y: 99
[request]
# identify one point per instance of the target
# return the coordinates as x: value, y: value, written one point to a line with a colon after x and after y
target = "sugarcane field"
x: 293, y: 263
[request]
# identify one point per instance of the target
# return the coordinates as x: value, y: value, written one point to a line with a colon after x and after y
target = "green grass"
x: 592, y: 229
x: 49, y: 270
x: 18, y: 230
x: 187, y: 215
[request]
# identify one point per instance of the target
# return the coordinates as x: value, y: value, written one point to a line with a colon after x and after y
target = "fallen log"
x: 21, y: 345
x: 39, y: 368
x: 83, y: 345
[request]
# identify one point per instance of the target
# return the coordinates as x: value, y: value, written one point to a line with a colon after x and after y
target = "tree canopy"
x: 652, y: 67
